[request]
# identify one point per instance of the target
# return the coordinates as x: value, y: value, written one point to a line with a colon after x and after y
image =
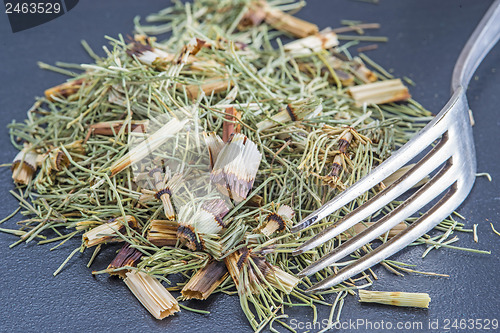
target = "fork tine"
x: 438, y: 155
x: 429, y: 191
x: 425, y: 223
x: 402, y: 156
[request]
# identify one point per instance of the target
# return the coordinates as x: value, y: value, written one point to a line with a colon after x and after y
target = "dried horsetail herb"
x: 200, y: 224
x: 24, y: 166
x: 163, y: 233
x: 277, y: 221
x: 152, y: 294
x: 235, y: 168
x: 205, y: 281
x: 164, y: 83
x: 494, y: 230
x: 126, y: 257
x: 112, y: 127
x: 380, y: 92
x: 212, y: 86
x: 153, y: 142
x: 324, y: 40
x: 165, y: 185
x: 419, y: 300
x: 229, y: 128
x: 109, y: 231
x: 258, y: 11
x: 249, y: 272
x: 294, y: 111
x: 64, y: 90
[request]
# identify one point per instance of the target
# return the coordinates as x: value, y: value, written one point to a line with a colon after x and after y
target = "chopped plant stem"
x: 484, y: 174
x: 357, y: 27
x: 364, y: 38
x: 419, y: 300
x: 151, y: 293
x: 67, y: 259
x: 193, y: 310
x: 494, y: 230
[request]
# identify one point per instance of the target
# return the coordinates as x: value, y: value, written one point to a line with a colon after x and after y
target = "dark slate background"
x: 426, y: 37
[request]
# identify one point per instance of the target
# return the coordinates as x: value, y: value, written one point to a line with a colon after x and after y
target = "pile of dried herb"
x: 200, y: 151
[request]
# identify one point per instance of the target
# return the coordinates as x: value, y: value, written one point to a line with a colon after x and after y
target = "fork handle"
x: 484, y: 37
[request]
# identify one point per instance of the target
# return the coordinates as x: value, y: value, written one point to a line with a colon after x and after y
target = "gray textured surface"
x: 425, y: 39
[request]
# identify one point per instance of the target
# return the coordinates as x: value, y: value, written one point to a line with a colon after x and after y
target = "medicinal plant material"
x: 197, y: 153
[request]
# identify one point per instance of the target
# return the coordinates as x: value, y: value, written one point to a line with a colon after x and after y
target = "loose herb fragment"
x: 127, y: 256
x: 205, y: 281
x: 149, y: 144
x: 418, y: 300
x: 24, y: 166
x: 380, y: 92
x: 163, y: 233
x: 278, y: 221
x: 64, y: 90
x: 109, y: 231
x: 150, y: 292
x: 494, y: 230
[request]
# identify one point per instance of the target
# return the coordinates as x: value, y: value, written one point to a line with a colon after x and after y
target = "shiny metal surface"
x: 455, y: 179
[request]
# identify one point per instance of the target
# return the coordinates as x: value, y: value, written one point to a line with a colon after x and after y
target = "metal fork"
x: 455, y: 150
